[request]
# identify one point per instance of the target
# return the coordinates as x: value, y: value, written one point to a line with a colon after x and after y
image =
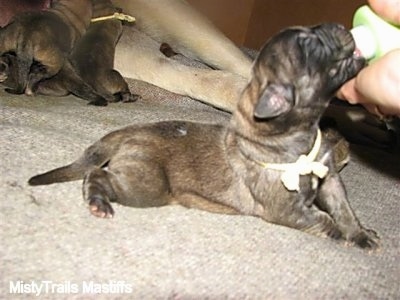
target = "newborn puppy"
x: 9, y: 70
x: 9, y: 79
x: 269, y: 162
x: 44, y: 39
x: 91, y: 63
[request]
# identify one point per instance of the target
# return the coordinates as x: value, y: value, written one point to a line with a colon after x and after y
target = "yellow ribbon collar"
x: 305, y: 165
x: 116, y: 16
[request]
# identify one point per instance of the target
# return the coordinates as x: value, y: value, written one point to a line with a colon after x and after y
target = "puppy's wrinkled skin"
x: 43, y: 39
x: 91, y: 63
x: 167, y: 22
x: 218, y: 168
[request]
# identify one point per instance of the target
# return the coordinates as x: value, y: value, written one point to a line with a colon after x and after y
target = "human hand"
x: 387, y: 9
x: 377, y: 86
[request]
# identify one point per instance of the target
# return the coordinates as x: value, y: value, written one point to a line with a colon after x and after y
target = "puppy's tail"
x: 71, y: 172
x: 97, y: 155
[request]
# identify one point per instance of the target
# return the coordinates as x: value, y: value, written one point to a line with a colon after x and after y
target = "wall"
x: 231, y: 16
x: 251, y: 22
x: 268, y: 17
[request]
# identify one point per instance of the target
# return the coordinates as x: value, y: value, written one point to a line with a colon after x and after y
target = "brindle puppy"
x: 9, y: 78
x: 9, y: 70
x: 91, y: 62
x: 225, y: 169
x: 44, y: 39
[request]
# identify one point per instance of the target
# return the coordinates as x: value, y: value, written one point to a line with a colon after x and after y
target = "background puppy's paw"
x: 127, y: 97
x: 100, y: 208
x: 366, y: 239
x: 335, y: 233
x: 99, y: 102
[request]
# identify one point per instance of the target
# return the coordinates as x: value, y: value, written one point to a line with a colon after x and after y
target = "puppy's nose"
x: 3, y: 68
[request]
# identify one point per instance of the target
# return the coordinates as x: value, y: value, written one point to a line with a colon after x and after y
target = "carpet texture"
x: 47, y: 233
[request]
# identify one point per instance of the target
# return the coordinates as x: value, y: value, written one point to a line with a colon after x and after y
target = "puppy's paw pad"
x: 100, y: 208
x: 366, y: 239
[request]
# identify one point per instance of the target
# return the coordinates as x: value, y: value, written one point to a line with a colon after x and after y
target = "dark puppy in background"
x: 9, y: 70
x: 41, y: 40
x: 91, y: 63
x: 269, y: 162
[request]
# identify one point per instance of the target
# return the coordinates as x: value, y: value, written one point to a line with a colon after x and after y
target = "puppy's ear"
x: 276, y: 100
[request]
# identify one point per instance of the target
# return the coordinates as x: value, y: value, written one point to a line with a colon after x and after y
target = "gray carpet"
x: 47, y: 233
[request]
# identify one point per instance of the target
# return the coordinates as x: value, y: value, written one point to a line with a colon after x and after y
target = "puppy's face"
x: 8, y: 70
x: 299, y: 70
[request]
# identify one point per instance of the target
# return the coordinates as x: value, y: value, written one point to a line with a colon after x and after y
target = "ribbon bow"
x: 305, y: 165
x: 118, y: 16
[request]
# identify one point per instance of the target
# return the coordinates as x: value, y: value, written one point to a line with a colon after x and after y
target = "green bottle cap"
x: 374, y: 36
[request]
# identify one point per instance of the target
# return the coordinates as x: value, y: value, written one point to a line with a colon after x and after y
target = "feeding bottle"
x: 373, y: 36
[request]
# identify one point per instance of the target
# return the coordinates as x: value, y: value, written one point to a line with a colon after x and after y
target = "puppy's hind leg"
x: 98, y: 192
x: 135, y: 183
x: 116, y: 85
x: 45, y: 65
x: 68, y: 81
x: 51, y: 87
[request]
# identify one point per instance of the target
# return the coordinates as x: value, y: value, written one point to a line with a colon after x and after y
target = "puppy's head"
x: 296, y: 74
x: 8, y: 70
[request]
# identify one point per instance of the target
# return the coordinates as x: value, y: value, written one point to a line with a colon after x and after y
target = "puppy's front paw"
x: 366, y: 239
x: 100, y: 208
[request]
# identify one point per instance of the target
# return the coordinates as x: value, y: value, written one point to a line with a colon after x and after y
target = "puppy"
x: 9, y: 70
x: 44, y: 39
x: 91, y: 63
x: 54, y: 86
x: 269, y: 162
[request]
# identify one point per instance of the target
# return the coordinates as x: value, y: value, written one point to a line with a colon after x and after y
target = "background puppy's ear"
x: 276, y: 100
